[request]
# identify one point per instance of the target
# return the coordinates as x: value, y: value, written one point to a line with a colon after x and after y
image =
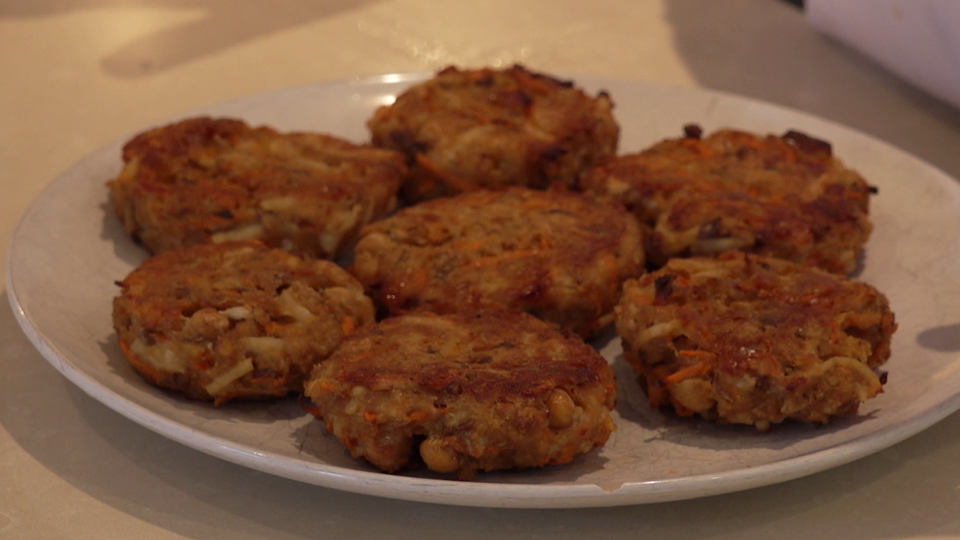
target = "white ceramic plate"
x: 69, y: 249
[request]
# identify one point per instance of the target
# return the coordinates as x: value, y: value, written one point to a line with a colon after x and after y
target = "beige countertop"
x: 79, y: 74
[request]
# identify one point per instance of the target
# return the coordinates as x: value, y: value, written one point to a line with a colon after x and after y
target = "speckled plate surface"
x: 69, y: 249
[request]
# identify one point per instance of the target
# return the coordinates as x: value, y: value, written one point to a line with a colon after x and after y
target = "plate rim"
x: 451, y: 492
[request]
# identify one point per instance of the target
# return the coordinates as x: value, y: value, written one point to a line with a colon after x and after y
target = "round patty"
x: 482, y: 128
x: 206, y: 180
x: 555, y: 254
x: 752, y: 340
x: 466, y: 392
x: 235, y: 320
x: 786, y: 197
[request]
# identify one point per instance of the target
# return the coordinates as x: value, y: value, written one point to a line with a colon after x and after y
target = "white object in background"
x: 918, y: 40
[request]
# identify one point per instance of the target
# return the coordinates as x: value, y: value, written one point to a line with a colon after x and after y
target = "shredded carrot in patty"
x: 447, y: 177
x: 418, y: 415
x: 696, y: 370
x: 348, y: 324
x: 310, y: 407
x: 697, y: 352
x: 272, y: 327
x: 151, y: 372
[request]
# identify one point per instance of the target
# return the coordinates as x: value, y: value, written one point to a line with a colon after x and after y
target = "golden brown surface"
x: 786, y: 197
x: 235, y: 320
x: 754, y: 340
x: 555, y: 254
x: 217, y: 179
x: 483, y: 128
x: 477, y: 391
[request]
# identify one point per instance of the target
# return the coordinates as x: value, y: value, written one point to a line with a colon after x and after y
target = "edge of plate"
x: 477, y: 494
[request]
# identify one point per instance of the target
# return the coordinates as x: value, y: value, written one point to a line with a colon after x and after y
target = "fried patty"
x: 782, y: 196
x: 204, y: 180
x: 555, y: 254
x: 467, y: 392
x: 754, y: 340
x: 466, y: 129
x: 235, y: 320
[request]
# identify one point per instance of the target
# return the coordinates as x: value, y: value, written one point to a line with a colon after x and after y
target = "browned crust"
x: 475, y: 387
x: 204, y: 179
x: 468, y: 129
x: 748, y: 339
x: 555, y: 254
x: 783, y: 196
x: 187, y: 317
